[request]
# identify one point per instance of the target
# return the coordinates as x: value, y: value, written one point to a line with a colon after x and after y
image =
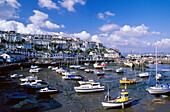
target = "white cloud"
x: 100, y: 15
x: 109, y: 13
x: 109, y: 27
x: 41, y: 19
x: 105, y: 15
x: 70, y: 3
x: 12, y: 3
x: 21, y: 28
x: 47, y: 3
x: 138, y: 31
x: 82, y: 35
x: 164, y: 43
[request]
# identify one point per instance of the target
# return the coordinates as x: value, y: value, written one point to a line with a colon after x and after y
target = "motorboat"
x: 60, y: 70
x: 92, y: 87
x: 55, y: 68
x: 82, y: 68
x: 72, y: 66
x: 47, y: 90
x: 28, y: 83
x: 86, y: 64
x: 29, y: 78
x: 25, y: 105
x: 121, y: 101
x: 35, y: 67
x: 72, y: 77
x: 16, y: 76
x: 144, y: 74
x: 68, y: 72
x: 89, y: 70
x: 100, y: 73
x: 34, y: 70
x: 126, y: 81
x: 75, y: 66
x: 120, y: 70
x: 38, y: 85
x: 18, y: 96
x: 129, y: 64
x: 97, y: 65
x: 86, y: 82
x: 159, y: 89
x: 106, y: 69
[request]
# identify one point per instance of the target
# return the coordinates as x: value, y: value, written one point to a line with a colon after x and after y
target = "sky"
x: 127, y: 25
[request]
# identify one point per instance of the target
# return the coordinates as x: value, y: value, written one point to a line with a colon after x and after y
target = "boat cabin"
x: 124, y: 96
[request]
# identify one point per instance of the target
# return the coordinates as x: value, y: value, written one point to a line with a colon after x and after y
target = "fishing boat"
x: 159, y: 88
x: 18, y: 96
x: 25, y: 105
x: 120, y: 70
x: 91, y: 87
x: 16, y: 76
x: 144, y: 74
x: 100, y: 73
x: 121, y: 101
x: 72, y: 77
x: 47, y: 90
x: 126, y: 81
x: 89, y: 70
x: 85, y: 82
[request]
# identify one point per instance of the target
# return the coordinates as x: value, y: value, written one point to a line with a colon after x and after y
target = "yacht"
x: 92, y: 87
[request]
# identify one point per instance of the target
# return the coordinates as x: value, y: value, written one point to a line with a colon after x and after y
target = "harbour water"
x: 68, y: 100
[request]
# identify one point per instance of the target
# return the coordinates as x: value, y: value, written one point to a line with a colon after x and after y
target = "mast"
x: 156, y: 59
x: 108, y: 94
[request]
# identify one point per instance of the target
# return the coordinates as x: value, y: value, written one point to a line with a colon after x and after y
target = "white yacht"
x: 47, y: 90
x: 120, y: 70
x: 92, y: 87
x: 144, y: 74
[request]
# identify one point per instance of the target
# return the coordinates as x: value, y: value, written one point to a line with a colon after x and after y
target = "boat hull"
x: 107, y: 105
x: 158, y: 91
x: 89, y: 90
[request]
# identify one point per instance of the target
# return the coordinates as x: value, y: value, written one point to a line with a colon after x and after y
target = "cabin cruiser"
x: 91, y: 87
x: 48, y: 90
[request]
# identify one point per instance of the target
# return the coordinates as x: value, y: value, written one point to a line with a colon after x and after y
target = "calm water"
x: 68, y: 100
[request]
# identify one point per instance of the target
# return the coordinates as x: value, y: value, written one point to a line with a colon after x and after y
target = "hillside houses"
x: 49, y: 46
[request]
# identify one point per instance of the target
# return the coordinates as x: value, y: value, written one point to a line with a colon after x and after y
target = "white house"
x: 13, y: 57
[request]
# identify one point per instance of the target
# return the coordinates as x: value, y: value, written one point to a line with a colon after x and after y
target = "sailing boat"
x: 120, y: 101
x: 159, y: 88
x: 143, y: 74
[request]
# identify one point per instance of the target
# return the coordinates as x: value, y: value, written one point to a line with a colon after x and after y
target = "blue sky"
x: 123, y: 24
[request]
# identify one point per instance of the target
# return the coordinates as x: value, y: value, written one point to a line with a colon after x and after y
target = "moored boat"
x: 47, y: 90
x: 120, y: 70
x: 72, y: 77
x: 91, y: 87
x: 100, y: 73
x: 18, y: 96
x: 86, y: 82
x: 89, y: 70
x: 97, y: 65
x: 126, y: 81
x: 121, y: 101
x: 16, y: 76
x: 144, y: 74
